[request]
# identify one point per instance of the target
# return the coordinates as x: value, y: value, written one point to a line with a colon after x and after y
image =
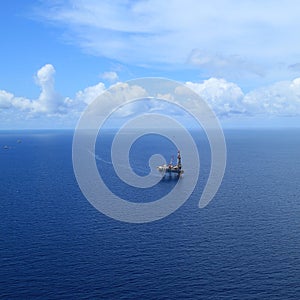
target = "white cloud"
x: 52, y: 106
x: 5, y: 99
x: 231, y: 33
x: 90, y: 93
x: 122, y: 92
x: 49, y: 102
x: 226, y: 98
x: 279, y: 99
x: 110, y: 76
x: 228, y: 65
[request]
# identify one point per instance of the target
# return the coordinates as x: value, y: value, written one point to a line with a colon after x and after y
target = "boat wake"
x: 137, y: 169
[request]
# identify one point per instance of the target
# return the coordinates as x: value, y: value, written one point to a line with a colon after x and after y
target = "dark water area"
x: 244, y: 245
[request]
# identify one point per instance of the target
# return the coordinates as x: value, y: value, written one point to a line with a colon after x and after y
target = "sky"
x: 242, y: 57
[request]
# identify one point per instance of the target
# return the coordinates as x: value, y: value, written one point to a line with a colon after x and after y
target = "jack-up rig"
x: 170, y: 168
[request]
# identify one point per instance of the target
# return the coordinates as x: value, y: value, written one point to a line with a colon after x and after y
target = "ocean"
x: 244, y: 245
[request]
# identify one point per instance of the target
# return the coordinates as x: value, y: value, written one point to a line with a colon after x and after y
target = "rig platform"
x: 170, y: 168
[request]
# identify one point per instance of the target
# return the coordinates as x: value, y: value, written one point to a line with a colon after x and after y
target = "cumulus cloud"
x: 279, y: 99
x: 226, y: 98
x: 5, y: 99
x: 120, y: 93
x: 90, y: 93
x: 50, y: 102
x: 110, y: 76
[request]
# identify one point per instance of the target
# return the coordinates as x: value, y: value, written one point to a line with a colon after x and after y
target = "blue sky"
x: 242, y: 57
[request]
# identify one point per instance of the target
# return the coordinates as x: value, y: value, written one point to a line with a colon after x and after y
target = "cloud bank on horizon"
x: 227, y: 99
x: 242, y: 57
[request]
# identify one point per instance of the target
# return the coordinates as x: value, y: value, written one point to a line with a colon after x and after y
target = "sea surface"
x: 244, y: 245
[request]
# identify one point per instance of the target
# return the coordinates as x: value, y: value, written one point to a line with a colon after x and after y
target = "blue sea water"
x: 244, y: 245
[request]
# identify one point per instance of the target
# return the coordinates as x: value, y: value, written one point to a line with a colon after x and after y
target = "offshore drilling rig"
x: 170, y: 168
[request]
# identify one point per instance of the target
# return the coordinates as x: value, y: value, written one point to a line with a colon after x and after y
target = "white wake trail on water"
x: 139, y: 169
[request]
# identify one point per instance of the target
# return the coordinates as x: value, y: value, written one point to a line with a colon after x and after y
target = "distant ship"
x: 170, y: 168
